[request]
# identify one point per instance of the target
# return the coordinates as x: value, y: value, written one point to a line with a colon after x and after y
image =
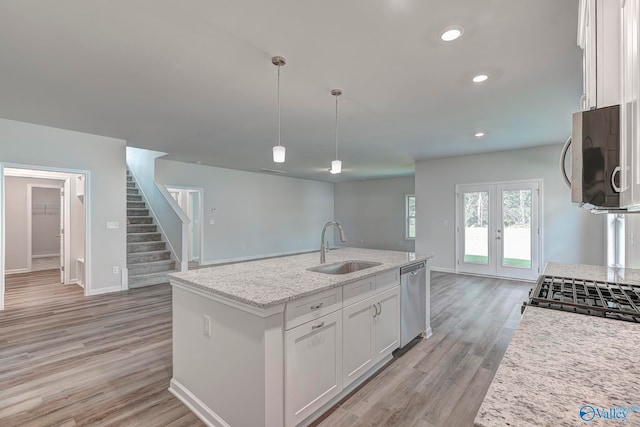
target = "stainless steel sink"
x: 345, y: 267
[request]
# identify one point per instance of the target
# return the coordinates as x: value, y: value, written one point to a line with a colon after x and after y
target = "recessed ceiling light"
x: 480, y: 78
x: 479, y: 134
x: 451, y: 33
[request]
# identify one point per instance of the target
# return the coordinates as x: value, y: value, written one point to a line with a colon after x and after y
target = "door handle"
x: 376, y: 313
x: 380, y: 305
x: 615, y: 187
x: 318, y: 326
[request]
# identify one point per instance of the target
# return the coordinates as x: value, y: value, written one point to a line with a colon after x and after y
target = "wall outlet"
x: 206, y: 326
x: 113, y: 225
x: 212, y: 221
x: 115, y: 269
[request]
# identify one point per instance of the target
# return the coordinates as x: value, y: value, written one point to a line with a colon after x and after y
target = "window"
x: 410, y: 213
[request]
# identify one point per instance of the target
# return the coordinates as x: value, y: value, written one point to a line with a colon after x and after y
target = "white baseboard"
x: 16, y: 271
x: 124, y: 279
x: 196, y: 406
x: 45, y: 255
x: 105, y: 290
x: 443, y: 270
x: 494, y: 277
x: 428, y: 333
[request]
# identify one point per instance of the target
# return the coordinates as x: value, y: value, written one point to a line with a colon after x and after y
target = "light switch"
x: 113, y: 225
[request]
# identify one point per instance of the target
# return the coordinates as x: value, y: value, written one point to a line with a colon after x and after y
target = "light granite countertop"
x: 269, y: 282
x: 559, y: 363
x: 593, y: 272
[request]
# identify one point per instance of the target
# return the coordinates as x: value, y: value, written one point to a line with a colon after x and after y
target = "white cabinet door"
x: 629, y: 114
x: 313, y: 366
x: 387, y: 323
x: 357, y: 349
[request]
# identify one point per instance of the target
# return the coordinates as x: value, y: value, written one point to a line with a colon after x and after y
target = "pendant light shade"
x: 279, y: 152
x: 336, y: 165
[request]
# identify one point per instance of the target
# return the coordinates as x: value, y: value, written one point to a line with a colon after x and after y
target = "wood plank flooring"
x: 70, y: 360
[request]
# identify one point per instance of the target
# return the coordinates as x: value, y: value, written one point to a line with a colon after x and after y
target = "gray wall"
x: 45, y: 225
x: 570, y: 234
x: 34, y: 145
x: 255, y: 214
x: 372, y: 212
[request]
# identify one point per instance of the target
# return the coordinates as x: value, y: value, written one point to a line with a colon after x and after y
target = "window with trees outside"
x: 410, y: 223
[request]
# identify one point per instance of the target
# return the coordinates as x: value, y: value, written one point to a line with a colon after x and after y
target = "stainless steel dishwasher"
x: 413, y: 302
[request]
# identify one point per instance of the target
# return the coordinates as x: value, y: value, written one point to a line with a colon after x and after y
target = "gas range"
x: 592, y: 297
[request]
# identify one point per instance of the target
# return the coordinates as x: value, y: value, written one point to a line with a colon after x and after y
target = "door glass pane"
x: 516, y: 223
x: 476, y: 227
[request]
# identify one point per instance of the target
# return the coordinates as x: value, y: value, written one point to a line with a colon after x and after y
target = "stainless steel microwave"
x: 595, y: 158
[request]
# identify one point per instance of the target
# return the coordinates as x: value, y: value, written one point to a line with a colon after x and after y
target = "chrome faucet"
x: 322, y: 247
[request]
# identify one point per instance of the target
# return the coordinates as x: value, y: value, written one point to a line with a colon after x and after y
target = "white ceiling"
x: 194, y: 78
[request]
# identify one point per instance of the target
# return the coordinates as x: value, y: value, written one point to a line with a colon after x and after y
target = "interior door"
x: 62, y: 235
x: 498, y: 229
x: 476, y: 229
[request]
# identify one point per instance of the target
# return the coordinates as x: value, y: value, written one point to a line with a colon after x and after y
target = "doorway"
x: 498, y: 229
x: 43, y: 215
x: 190, y: 201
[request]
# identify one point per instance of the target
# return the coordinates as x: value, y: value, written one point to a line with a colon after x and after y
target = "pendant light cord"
x: 336, y: 127
x: 278, y: 104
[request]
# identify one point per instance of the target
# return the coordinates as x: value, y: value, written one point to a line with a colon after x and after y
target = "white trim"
x: 428, y: 333
x: 44, y: 256
x: 196, y: 406
x: 492, y: 188
x: 17, y: 169
x: 105, y: 290
x: 462, y: 273
x: 443, y: 270
x: 17, y: 271
x: 67, y: 221
x: 200, y: 192
x: 261, y: 312
x: 2, y: 252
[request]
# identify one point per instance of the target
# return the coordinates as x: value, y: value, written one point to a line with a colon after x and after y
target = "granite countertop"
x: 593, y: 272
x: 269, y: 282
x: 559, y: 363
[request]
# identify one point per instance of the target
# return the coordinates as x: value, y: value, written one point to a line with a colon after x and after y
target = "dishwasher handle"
x: 413, y: 268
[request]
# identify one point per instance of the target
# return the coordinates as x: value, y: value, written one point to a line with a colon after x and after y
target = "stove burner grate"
x: 597, y: 298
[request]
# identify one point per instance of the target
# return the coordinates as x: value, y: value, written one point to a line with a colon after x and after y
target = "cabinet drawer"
x: 387, y: 280
x: 308, y: 308
x: 357, y: 291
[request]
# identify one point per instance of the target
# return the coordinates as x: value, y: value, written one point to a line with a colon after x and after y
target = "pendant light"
x: 336, y: 165
x: 278, y: 150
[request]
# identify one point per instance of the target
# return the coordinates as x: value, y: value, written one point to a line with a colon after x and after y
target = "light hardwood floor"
x: 68, y: 360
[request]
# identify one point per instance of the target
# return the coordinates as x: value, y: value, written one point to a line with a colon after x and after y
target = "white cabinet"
x: 387, y: 323
x: 599, y: 37
x: 313, y: 360
x: 358, y: 347
x: 629, y: 114
x: 371, y: 332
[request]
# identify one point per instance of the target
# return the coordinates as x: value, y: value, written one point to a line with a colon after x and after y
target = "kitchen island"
x: 271, y: 343
x: 565, y: 369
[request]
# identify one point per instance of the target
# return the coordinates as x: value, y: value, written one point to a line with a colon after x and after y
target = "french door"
x: 498, y: 229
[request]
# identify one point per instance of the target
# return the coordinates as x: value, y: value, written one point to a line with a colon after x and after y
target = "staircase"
x: 148, y: 259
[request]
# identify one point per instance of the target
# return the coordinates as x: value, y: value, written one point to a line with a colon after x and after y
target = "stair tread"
x: 156, y: 274
x: 146, y: 243
x: 129, y: 233
x: 160, y: 261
